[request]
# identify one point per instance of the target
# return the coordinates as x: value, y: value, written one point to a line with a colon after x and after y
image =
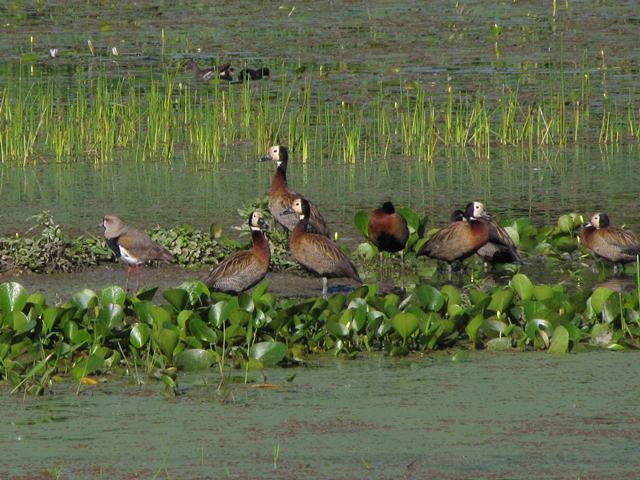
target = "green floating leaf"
x: 565, y: 223
x: 139, y: 335
x: 501, y: 299
x: 413, y: 221
x: 193, y: 359
x: 361, y: 221
x: 598, y: 298
x: 461, y: 356
x: 84, y: 299
x: 338, y: 329
x: 429, y: 297
x: 87, y: 366
x: 269, y: 353
x: 522, y: 285
x: 542, y: 292
x: 167, y: 340
x: 13, y: 297
x: 559, y: 341
x: 201, y: 330
x: 452, y: 293
x: 500, y: 343
x: 177, y: 297
x: 112, y: 315
x: 405, y: 324
x: 113, y: 294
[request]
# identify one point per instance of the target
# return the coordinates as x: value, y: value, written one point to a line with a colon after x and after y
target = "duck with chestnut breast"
x: 388, y: 230
x: 242, y: 270
x: 317, y: 253
x: 461, y: 238
x: 223, y: 72
x: 253, y: 74
x: 134, y: 246
x: 500, y: 248
x: 281, y: 198
x: 607, y: 241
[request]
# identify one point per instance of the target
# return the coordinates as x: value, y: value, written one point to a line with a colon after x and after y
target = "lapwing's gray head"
x: 112, y: 226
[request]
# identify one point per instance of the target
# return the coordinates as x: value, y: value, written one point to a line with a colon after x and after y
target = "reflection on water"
x: 512, y: 184
x: 494, y: 416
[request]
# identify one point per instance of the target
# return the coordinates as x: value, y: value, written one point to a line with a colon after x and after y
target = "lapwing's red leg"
x: 126, y: 286
x: 138, y: 275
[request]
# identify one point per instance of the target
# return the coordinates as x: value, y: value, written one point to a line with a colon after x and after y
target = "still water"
x: 523, y: 415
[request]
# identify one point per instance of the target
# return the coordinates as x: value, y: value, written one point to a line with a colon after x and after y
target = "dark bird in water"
x: 253, y: 74
x: 132, y: 245
x: 607, y: 241
x: 242, y: 270
x: 461, y: 238
x: 281, y: 198
x: 223, y: 72
x: 317, y: 253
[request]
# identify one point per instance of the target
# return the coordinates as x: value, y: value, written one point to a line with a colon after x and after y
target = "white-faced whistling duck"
x: 500, y: 248
x: 223, y: 72
x: 242, y: 270
x: 461, y: 238
x: 607, y: 241
x: 281, y: 198
x: 134, y: 246
x: 317, y: 253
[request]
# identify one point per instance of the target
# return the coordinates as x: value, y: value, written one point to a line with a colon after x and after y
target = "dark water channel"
x: 494, y: 416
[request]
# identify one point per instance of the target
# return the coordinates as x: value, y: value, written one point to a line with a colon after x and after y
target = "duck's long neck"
x: 261, y: 245
x: 300, y: 228
x: 279, y: 181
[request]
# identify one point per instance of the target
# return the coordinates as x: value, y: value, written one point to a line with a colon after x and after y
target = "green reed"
x: 94, y: 117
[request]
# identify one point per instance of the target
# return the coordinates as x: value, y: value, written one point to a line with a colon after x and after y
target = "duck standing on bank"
x: 281, y: 198
x: 317, y: 253
x: 388, y: 230
x: 242, y: 270
x: 134, y: 246
x: 608, y: 241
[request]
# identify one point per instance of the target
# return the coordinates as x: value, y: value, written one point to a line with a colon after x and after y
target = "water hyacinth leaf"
x: 19, y: 322
x: 338, y: 329
x: 84, y: 299
x: 13, y: 297
x: 522, y: 285
x: 559, y: 341
x: 196, y: 290
x: 429, y: 297
x: 245, y: 302
x: 201, y: 330
x: 146, y: 293
x: 113, y: 294
x: 611, y: 308
x: 361, y: 221
x: 167, y: 340
x: 112, y: 315
x: 565, y: 223
x: 49, y: 318
x: 260, y: 290
x: 452, y: 293
x: 413, y: 221
x: 472, y: 328
x: 177, y: 298
x: 269, y: 353
x: 501, y: 299
x: 87, y: 366
x: 139, y: 335
x: 500, y: 343
x: 193, y: 359
x: 220, y: 311
x: 405, y: 324
x: 598, y: 298
x: 366, y: 251
x: 461, y: 356
x: 513, y: 233
x: 36, y: 299
x: 542, y: 292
